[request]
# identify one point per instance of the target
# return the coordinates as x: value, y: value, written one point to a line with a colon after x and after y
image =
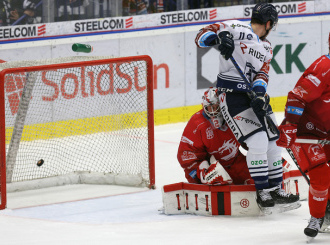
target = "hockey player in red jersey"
x: 307, y: 115
x: 206, y: 135
x: 247, y: 43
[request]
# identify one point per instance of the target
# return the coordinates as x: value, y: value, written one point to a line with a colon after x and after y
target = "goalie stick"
x: 273, y: 128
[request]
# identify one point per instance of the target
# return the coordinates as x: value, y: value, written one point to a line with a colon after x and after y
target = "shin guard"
x: 317, y: 201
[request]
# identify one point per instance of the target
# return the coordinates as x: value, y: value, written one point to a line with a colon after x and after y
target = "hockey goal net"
x: 82, y: 119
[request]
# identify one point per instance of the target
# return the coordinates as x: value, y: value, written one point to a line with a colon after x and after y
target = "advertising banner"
x: 166, y: 19
x: 181, y: 70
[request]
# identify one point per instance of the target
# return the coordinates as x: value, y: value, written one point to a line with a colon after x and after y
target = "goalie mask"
x: 211, y: 103
x: 211, y: 107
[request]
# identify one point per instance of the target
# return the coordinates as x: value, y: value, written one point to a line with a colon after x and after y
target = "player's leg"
x: 318, y: 198
x: 249, y: 128
x: 256, y: 158
x: 318, y: 190
x: 313, y: 158
x: 274, y: 156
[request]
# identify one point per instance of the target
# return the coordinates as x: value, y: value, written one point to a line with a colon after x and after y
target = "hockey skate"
x: 326, y: 224
x: 265, y: 201
x: 313, y: 228
x: 284, y: 201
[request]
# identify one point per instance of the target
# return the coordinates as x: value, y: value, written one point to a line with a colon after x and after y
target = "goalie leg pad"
x: 209, y: 200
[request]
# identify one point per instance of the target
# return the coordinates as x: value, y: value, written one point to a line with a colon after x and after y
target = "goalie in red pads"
x: 307, y: 115
x: 208, y: 151
x: 209, y: 154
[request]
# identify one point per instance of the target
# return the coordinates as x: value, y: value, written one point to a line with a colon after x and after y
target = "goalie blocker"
x: 234, y: 200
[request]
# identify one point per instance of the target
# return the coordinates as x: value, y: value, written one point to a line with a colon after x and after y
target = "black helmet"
x: 265, y: 12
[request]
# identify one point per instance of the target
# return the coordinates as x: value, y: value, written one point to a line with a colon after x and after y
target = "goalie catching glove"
x: 213, y: 174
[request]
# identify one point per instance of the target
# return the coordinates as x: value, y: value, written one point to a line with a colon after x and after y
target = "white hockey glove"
x: 213, y: 174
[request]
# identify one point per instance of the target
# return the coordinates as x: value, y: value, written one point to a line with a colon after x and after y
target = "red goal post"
x: 87, y: 119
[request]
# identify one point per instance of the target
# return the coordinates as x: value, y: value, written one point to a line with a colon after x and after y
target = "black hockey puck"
x: 40, y: 162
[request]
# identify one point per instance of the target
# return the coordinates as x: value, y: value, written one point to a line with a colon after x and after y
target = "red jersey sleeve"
x: 311, y: 86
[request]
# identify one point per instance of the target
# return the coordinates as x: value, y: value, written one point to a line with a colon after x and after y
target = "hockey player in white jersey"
x: 247, y: 43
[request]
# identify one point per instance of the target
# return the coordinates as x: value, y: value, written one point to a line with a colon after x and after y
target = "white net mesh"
x: 79, y: 120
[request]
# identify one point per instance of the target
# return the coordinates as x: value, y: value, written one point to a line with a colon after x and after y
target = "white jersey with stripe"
x: 251, y: 54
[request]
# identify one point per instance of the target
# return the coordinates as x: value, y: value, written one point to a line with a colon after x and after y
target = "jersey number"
x: 242, y: 36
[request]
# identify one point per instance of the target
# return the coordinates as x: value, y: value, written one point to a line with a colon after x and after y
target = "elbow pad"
x: 208, y: 39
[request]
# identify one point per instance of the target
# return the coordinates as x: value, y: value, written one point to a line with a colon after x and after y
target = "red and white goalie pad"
x: 208, y: 200
x: 234, y: 200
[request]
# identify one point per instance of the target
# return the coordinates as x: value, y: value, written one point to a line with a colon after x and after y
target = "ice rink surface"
x: 100, y: 215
